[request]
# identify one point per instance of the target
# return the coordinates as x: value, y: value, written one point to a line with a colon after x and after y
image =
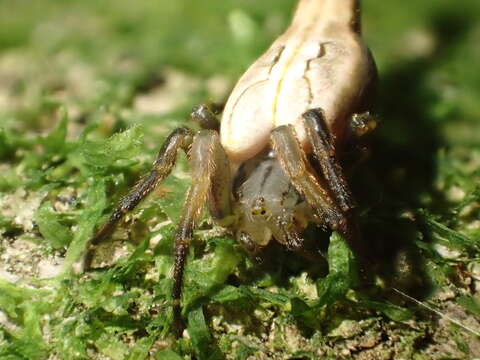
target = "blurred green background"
x: 89, y: 89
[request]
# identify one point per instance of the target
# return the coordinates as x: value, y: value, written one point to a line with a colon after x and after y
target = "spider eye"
x: 258, y: 207
x: 257, y: 210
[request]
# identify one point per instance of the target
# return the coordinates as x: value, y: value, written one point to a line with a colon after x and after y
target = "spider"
x: 272, y: 165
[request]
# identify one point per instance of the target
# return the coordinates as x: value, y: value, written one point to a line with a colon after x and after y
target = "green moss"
x: 74, y: 137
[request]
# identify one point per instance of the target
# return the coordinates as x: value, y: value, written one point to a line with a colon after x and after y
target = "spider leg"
x: 326, y: 156
x: 180, y: 138
x: 206, y: 115
x: 356, y: 150
x: 361, y: 125
x: 294, y: 162
x: 220, y: 191
x: 210, y: 180
x: 324, y: 153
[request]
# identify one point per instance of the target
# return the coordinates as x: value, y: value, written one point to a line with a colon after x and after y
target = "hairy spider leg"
x: 180, y: 138
x: 206, y: 115
x: 356, y: 151
x: 294, y: 162
x: 361, y: 125
x: 325, y: 155
x: 210, y: 180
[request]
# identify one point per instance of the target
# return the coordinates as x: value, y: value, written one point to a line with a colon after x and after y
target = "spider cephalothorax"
x: 268, y: 205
